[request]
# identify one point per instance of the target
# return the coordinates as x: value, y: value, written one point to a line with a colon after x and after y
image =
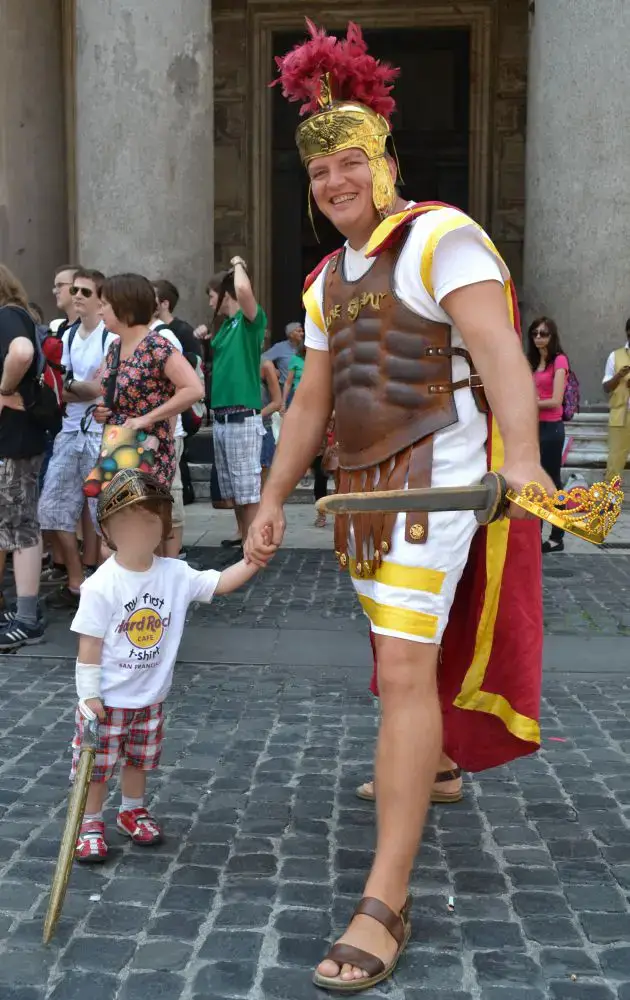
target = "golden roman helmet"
x: 129, y: 486
x: 346, y: 94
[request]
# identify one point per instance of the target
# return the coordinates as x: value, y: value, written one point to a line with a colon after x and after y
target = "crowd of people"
x: 134, y: 386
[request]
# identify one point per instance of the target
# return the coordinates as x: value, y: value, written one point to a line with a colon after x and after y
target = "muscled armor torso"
x: 393, y: 390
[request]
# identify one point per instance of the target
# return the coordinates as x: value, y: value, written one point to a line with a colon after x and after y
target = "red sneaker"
x: 91, y: 847
x: 140, y: 826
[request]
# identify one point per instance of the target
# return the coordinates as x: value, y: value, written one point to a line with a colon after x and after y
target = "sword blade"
x: 441, y: 498
x: 74, y: 818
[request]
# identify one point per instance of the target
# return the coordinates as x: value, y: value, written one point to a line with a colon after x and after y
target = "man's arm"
x: 242, y: 286
x: 82, y: 392
x: 481, y: 315
x: 16, y: 364
x: 611, y: 384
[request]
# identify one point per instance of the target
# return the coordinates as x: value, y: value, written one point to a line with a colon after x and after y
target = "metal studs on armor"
x: 359, y: 569
x: 416, y: 532
x: 384, y: 548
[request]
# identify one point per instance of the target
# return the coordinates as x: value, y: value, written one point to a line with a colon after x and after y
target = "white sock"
x: 127, y: 804
x: 93, y: 817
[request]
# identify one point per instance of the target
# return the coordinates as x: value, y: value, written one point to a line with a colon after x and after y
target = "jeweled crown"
x: 590, y: 513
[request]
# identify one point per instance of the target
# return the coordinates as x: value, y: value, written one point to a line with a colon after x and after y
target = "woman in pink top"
x: 550, y: 367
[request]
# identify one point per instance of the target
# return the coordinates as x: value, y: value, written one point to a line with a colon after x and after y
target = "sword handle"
x: 498, y: 502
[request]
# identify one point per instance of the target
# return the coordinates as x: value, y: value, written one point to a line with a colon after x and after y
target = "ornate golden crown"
x: 588, y: 513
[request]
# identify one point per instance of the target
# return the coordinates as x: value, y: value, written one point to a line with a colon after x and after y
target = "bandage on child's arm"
x: 88, y: 672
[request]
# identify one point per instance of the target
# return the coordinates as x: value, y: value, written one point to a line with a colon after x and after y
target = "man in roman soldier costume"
x: 411, y: 331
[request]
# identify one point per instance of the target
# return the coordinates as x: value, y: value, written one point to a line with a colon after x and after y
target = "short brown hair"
x: 96, y: 276
x: 132, y: 297
x: 166, y: 292
x: 12, y: 292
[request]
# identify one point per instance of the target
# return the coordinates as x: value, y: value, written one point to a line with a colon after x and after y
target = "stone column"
x: 577, y: 234
x: 33, y: 201
x: 144, y: 123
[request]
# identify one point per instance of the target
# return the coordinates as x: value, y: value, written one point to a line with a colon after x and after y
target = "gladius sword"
x: 488, y: 499
x: 74, y: 818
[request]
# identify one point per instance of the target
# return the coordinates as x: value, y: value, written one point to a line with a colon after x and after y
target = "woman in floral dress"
x: 154, y: 382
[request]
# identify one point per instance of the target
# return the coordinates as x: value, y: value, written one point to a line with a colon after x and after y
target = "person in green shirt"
x: 296, y: 367
x: 235, y: 399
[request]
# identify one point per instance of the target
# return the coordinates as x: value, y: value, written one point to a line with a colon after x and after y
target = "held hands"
x: 265, y: 534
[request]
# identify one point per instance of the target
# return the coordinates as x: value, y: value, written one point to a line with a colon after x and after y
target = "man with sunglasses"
x: 77, y: 445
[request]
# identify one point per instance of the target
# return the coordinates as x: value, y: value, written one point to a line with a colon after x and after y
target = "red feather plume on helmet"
x: 355, y: 75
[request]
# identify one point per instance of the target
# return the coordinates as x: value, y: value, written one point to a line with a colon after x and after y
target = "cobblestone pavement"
x: 267, y: 849
x: 584, y: 594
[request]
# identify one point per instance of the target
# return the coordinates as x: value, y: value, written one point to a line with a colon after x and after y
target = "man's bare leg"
x: 91, y: 543
x: 245, y: 514
x: 407, y: 757
x: 72, y: 558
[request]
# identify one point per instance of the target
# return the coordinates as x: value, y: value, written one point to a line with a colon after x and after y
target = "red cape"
x: 490, y: 671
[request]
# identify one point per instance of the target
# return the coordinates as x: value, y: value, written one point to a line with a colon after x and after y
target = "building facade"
x: 143, y: 135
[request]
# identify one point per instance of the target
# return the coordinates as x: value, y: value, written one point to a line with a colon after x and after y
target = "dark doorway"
x: 431, y: 130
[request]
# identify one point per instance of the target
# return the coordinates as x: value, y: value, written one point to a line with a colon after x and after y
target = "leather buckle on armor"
x: 472, y: 382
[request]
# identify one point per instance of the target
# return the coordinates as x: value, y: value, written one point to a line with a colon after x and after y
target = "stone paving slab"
x: 267, y: 848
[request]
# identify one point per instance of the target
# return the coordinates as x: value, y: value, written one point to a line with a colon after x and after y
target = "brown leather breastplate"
x: 381, y: 369
x: 393, y: 389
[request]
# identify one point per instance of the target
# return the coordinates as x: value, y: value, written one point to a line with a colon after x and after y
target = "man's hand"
x: 201, y: 332
x: 95, y: 705
x: 517, y: 475
x: 265, y: 534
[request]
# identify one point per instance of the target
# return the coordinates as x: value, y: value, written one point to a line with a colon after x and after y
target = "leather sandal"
x: 437, y: 797
x: 398, y: 925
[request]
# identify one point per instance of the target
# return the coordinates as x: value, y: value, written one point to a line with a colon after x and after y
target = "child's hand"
x: 95, y: 707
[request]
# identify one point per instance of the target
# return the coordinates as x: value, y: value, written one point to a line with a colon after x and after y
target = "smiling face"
x: 342, y: 189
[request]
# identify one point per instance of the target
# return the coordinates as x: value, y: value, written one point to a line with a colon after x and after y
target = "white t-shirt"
x: 172, y: 339
x: 461, y: 258
x: 85, y: 358
x: 609, y: 371
x: 141, y: 618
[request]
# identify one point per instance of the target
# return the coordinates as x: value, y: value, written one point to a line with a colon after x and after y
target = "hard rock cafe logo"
x: 144, y: 627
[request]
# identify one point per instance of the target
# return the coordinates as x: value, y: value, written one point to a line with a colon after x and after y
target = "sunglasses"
x: 87, y: 293
x: 542, y: 333
x: 61, y: 284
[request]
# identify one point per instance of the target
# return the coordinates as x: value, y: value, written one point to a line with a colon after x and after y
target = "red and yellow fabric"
x: 490, y: 671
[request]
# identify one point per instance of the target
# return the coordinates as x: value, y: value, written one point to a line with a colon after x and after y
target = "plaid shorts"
x: 131, y: 735
x: 19, y: 492
x: 237, y: 459
x: 74, y: 456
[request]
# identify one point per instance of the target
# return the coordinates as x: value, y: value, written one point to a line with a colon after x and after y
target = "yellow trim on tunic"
x: 471, y: 697
x: 429, y: 581
x: 399, y: 619
x: 313, y: 308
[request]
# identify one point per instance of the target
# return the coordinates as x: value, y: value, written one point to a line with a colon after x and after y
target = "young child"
x: 130, y: 622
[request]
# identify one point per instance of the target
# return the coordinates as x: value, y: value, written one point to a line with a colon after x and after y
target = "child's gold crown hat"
x: 129, y: 486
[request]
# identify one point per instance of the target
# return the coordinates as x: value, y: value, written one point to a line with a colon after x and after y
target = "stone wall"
x: 33, y: 197
x: 507, y: 183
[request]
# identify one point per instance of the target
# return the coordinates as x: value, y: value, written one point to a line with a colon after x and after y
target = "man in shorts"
x: 236, y: 393
x: 77, y: 446
x: 398, y: 324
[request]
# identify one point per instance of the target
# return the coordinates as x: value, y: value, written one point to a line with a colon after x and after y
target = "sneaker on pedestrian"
x: 54, y: 574
x: 63, y: 598
x: 91, y: 847
x: 14, y: 634
x: 140, y: 825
